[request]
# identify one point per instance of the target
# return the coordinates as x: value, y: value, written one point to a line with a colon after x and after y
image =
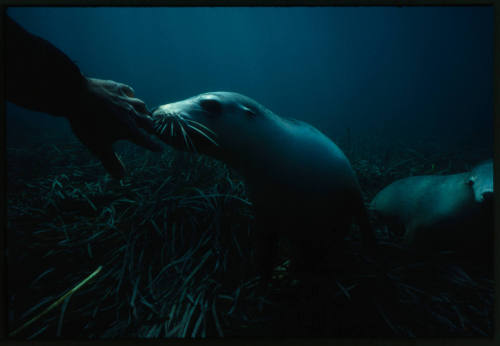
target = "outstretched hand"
x: 108, y: 111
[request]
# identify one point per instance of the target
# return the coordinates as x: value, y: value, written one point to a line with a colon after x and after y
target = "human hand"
x: 108, y: 112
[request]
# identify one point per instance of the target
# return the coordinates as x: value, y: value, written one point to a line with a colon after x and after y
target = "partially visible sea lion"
x: 301, y: 184
x: 441, y: 212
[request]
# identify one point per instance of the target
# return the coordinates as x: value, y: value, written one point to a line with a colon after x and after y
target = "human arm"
x: 41, y: 77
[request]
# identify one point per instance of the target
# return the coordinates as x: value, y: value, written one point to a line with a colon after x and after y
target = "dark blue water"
x: 408, y: 78
x: 412, y: 73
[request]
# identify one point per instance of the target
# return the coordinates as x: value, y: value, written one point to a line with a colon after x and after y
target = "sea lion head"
x: 481, y: 180
x: 224, y: 125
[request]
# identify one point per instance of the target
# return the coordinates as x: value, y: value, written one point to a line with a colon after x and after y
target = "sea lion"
x: 301, y: 184
x: 441, y: 212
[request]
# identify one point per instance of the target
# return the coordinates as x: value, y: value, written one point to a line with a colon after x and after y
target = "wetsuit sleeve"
x: 38, y: 75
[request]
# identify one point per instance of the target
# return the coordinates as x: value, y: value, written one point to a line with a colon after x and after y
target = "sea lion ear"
x: 249, y: 112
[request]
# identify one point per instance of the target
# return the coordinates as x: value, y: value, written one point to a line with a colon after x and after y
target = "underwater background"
x: 402, y: 90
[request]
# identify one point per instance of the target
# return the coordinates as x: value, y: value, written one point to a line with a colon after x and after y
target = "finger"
x: 138, y: 105
x: 127, y: 90
x: 142, y: 139
x: 104, y: 152
x: 110, y: 161
x: 146, y: 123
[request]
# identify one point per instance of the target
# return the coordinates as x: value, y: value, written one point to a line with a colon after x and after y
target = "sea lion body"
x: 441, y: 212
x: 301, y: 184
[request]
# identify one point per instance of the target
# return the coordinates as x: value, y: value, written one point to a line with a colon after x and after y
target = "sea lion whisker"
x: 189, y: 145
x: 203, y: 134
x: 164, y: 127
x: 200, y: 125
x: 183, y: 133
x: 157, y: 124
x: 161, y: 122
x: 180, y: 120
x: 190, y: 141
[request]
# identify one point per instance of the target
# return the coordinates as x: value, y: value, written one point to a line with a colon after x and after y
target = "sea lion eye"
x: 471, y: 180
x: 211, y: 105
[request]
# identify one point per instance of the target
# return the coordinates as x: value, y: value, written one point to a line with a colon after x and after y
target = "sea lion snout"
x: 183, y: 124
